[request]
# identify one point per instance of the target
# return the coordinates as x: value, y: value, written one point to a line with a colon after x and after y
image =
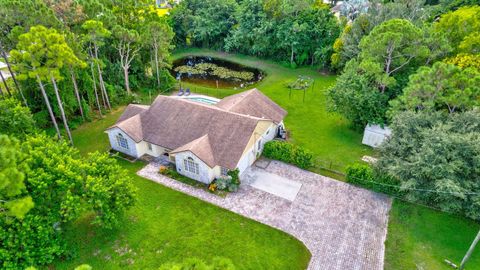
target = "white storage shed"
x: 375, y: 135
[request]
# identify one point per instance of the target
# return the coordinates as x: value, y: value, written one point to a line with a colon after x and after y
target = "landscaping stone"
x: 343, y: 226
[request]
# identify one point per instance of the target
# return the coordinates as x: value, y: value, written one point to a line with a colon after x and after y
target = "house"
x: 203, y: 140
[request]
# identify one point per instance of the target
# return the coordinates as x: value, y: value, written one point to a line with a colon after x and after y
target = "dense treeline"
x: 414, y: 66
x: 290, y: 31
x: 71, y: 61
x: 394, y: 51
x: 118, y: 46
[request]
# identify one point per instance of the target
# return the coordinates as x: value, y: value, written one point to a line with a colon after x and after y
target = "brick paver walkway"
x: 343, y: 226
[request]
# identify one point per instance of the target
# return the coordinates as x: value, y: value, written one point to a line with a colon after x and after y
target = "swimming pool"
x: 203, y: 99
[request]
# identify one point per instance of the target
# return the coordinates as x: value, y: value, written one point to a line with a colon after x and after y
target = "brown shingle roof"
x: 216, y: 135
x: 131, y: 110
x: 254, y: 103
x: 202, y: 148
x: 133, y: 127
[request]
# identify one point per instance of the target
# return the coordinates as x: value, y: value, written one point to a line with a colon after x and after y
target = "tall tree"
x: 5, y: 83
x: 30, y: 60
x: 440, y: 87
x: 76, y: 46
x: 437, y: 152
x: 203, y: 23
x: 5, y: 58
x: 379, y: 11
x: 158, y: 35
x: 52, y: 53
x: 391, y: 46
x: 462, y: 29
x: 94, y: 80
x: 128, y: 45
x: 355, y: 95
x: 95, y: 35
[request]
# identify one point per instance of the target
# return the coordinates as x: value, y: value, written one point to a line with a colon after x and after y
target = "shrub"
x: 163, y: 169
x: 365, y: 176
x: 289, y: 153
x: 15, y: 119
x: 223, y: 182
x: 234, y: 174
x: 229, y: 182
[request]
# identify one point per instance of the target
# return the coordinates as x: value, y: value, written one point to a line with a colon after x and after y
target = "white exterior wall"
x: 142, y: 149
x: 132, y: 146
x: 205, y: 173
x: 249, y: 156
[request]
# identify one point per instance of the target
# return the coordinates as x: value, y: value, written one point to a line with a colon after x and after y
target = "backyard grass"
x: 169, y: 226
x: 422, y: 238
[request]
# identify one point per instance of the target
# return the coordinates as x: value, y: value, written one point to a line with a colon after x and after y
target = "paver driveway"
x: 343, y: 226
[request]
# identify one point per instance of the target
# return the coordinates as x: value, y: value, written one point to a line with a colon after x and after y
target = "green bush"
x: 365, y: 176
x: 223, y: 182
x: 289, y: 153
x: 230, y: 182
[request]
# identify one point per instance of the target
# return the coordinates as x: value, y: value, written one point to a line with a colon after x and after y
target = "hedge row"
x: 363, y: 175
x: 289, y: 153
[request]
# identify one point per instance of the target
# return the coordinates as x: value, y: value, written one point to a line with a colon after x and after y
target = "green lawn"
x: 422, y: 238
x: 166, y: 225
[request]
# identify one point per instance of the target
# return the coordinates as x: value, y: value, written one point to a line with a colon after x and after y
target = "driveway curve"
x: 343, y: 226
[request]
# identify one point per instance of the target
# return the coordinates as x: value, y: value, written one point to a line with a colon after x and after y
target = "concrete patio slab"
x: 276, y: 185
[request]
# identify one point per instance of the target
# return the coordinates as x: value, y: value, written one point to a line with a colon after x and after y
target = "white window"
x: 122, y: 142
x: 149, y: 146
x: 190, y: 165
x: 224, y: 171
x: 259, y: 147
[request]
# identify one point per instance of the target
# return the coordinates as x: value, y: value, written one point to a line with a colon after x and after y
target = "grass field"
x: 167, y: 226
x: 422, y: 238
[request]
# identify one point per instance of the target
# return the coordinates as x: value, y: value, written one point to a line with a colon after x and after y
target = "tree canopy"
x: 15, y: 119
x: 13, y: 199
x: 296, y: 32
x: 431, y: 151
x: 442, y: 87
x: 62, y: 186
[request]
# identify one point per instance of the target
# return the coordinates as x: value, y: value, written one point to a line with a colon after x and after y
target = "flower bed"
x: 172, y: 173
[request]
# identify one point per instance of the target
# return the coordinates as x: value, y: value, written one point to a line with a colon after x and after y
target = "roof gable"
x: 253, y: 103
x: 202, y: 148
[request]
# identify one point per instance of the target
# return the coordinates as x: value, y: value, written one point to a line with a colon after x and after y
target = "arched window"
x: 121, y: 141
x: 190, y: 165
